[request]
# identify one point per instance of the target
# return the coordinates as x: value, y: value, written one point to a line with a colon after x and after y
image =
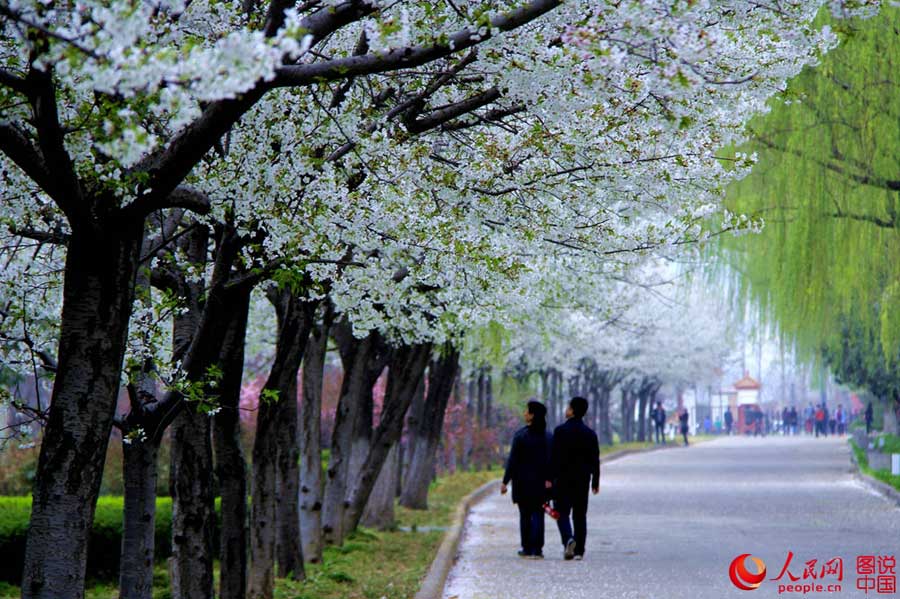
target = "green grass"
x: 891, y: 445
x: 370, y: 564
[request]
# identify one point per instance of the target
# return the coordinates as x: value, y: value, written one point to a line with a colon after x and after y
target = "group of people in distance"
x: 563, y: 467
x: 818, y: 420
x: 658, y: 420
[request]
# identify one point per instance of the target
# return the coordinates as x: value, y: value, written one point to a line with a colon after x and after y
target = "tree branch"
x: 16, y: 146
x: 446, y: 114
x: 409, y: 56
x: 169, y: 165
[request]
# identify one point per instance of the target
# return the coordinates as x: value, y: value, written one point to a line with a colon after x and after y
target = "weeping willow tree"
x: 826, y: 269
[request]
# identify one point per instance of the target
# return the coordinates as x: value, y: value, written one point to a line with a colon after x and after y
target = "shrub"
x: 105, y: 541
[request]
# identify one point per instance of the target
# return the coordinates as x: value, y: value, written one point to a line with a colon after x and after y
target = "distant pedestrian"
x: 658, y: 416
x: 757, y: 421
x: 809, y: 418
x: 869, y: 415
x: 820, y: 421
x: 729, y: 421
x: 841, y: 418
x: 575, y: 464
x: 707, y: 425
x: 528, y: 468
x: 785, y: 421
x: 827, y: 419
x: 794, y: 420
x: 683, y: 420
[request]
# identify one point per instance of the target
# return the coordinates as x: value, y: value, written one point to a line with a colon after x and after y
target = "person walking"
x: 729, y: 421
x: 659, y: 422
x: 683, y: 420
x: 820, y: 421
x: 528, y: 469
x: 809, y: 418
x: 795, y: 419
x: 785, y: 420
x: 869, y: 415
x: 575, y: 464
x: 841, y: 418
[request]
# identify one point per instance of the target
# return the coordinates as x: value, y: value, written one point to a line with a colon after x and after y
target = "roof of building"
x: 747, y: 382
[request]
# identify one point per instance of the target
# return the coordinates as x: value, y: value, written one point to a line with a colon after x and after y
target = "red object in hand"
x: 548, y: 509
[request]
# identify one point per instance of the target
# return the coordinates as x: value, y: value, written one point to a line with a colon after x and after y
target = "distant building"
x: 747, y: 391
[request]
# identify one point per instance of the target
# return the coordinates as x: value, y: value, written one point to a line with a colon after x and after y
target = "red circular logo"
x: 742, y: 577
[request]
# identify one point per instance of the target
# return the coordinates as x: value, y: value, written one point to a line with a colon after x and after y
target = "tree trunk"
x: 604, y: 427
x: 278, y: 396
x: 288, y: 544
x: 193, y: 515
x: 97, y: 300
x: 231, y: 467
x: 190, y: 475
x: 441, y: 373
x: 310, y: 495
x: 468, y: 431
x: 643, y: 395
x: 488, y: 401
x: 407, y: 368
x: 379, y: 512
x: 139, y: 516
x: 481, y: 392
x: 355, y: 356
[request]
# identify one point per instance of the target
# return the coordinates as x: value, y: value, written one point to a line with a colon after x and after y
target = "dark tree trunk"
x: 193, y: 516
x: 407, y: 368
x: 231, y: 467
x: 379, y: 512
x: 140, y: 454
x: 310, y: 497
x: 488, y: 401
x: 554, y: 398
x: 279, y: 396
x: 441, y: 373
x: 468, y: 432
x: 627, y: 411
x: 288, y: 544
x: 481, y: 393
x: 97, y: 300
x: 604, y: 427
x: 643, y: 396
x: 197, y: 339
x: 139, y: 517
x: 356, y: 356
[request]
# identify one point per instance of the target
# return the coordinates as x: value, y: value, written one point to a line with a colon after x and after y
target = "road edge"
x: 885, y: 490
x: 433, y: 584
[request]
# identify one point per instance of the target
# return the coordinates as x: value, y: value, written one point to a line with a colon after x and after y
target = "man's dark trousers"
x: 660, y: 432
x: 531, y: 528
x: 574, y: 501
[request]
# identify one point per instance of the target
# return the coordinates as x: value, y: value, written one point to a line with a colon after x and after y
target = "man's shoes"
x: 579, y: 557
x: 536, y: 556
x: 523, y: 553
x: 569, y: 552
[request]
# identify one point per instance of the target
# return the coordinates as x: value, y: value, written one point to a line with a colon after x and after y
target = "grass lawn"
x: 891, y: 445
x: 370, y: 565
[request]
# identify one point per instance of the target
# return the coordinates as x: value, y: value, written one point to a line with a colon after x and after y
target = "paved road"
x: 667, y: 524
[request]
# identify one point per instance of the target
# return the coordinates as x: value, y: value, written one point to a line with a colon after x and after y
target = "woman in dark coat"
x: 528, y: 468
x: 683, y: 419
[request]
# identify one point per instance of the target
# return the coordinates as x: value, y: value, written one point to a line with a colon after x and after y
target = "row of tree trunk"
x: 294, y: 511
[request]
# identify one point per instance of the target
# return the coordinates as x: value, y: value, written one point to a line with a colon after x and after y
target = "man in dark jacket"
x: 528, y: 468
x: 658, y: 416
x: 576, y: 468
